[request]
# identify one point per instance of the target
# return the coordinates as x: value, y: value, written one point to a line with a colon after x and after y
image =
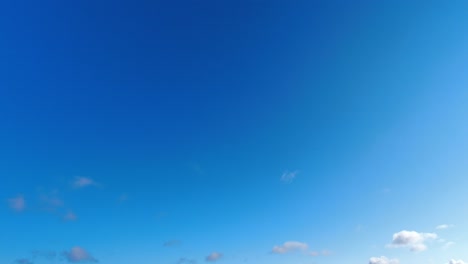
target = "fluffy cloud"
x: 411, y: 239
x: 17, y: 203
x: 443, y: 227
x: 383, y: 260
x: 453, y: 261
x: 215, y: 256
x: 289, y: 176
x: 78, y: 254
x: 81, y: 182
x: 289, y: 246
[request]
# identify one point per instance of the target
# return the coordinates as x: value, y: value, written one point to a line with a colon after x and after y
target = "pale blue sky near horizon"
x: 265, y: 132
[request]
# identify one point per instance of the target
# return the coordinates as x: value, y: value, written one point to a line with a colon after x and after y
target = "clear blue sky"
x: 262, y: 132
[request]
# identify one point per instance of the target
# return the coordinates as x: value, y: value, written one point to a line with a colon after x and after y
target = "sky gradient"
x: 263, y: 132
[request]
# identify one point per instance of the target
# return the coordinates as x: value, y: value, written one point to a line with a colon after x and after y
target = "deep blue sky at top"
x: 195, y: 109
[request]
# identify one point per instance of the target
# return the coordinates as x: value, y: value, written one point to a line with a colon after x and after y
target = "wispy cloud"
x: 214, y: 256
x: 48, y: 255
x: 123, y: 197
x: 186, y: 261
x: 81, y: 182
x: 78, y: 254
x: 444, y: 226
x: 447, y: 245
x: 289, y: 176
x: 413, y: 240
x: 172, y: 243
x: 383, y: 260
x: 50, y: 201
x: 70, y: 216
x: 17, y: 203
x: 23, y: 261
x: 290, y: 246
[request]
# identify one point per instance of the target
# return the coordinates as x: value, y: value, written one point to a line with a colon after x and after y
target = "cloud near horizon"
x: 78, y: 254
x: 453, y: 261
x: 413, y: 240
x: 214, y: 256
x: 290, y: 246
x: 23, y: 261
x: 383, y: 260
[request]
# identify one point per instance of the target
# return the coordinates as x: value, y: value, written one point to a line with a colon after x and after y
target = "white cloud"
x: 70, y: 216
x: 186, y: 261
x: 289, y: 176
x: 383, y: 260
x: 78, y: 254
x: 81, y: 182
x: 172, y: 243
x: 411, y: 239
x: 453, y: 261
x: 443, y: 227
x: 214, y: 256
x: 17, y: 203
x: 23, y: 261
x: 447, y: 245
x: 290, y: 246
x: 50, y: 201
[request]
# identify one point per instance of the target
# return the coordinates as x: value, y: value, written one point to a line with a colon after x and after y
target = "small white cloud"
x: 444, y: 226
x: 172, y: 243
x: 453, y: 261
x: 290, y: 246
x: 50, y: 201
x: 70, y: 216
x: 411, y: 239
x: 81, y: 182
x: 214, y: 256
x: 289, y: 176
x: 23, y: 261
x: 78, y: 254
x: 17, y: 203
x: 447, y: 245
x: 123, y: 197
x: 383, y: 260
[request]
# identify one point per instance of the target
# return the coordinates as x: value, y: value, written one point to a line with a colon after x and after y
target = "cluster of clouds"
x: 415, y: 242
x: 50, y: 201
x: 74, y: 255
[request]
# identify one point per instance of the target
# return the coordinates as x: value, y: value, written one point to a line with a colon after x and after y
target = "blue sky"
x: 266, y: 132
